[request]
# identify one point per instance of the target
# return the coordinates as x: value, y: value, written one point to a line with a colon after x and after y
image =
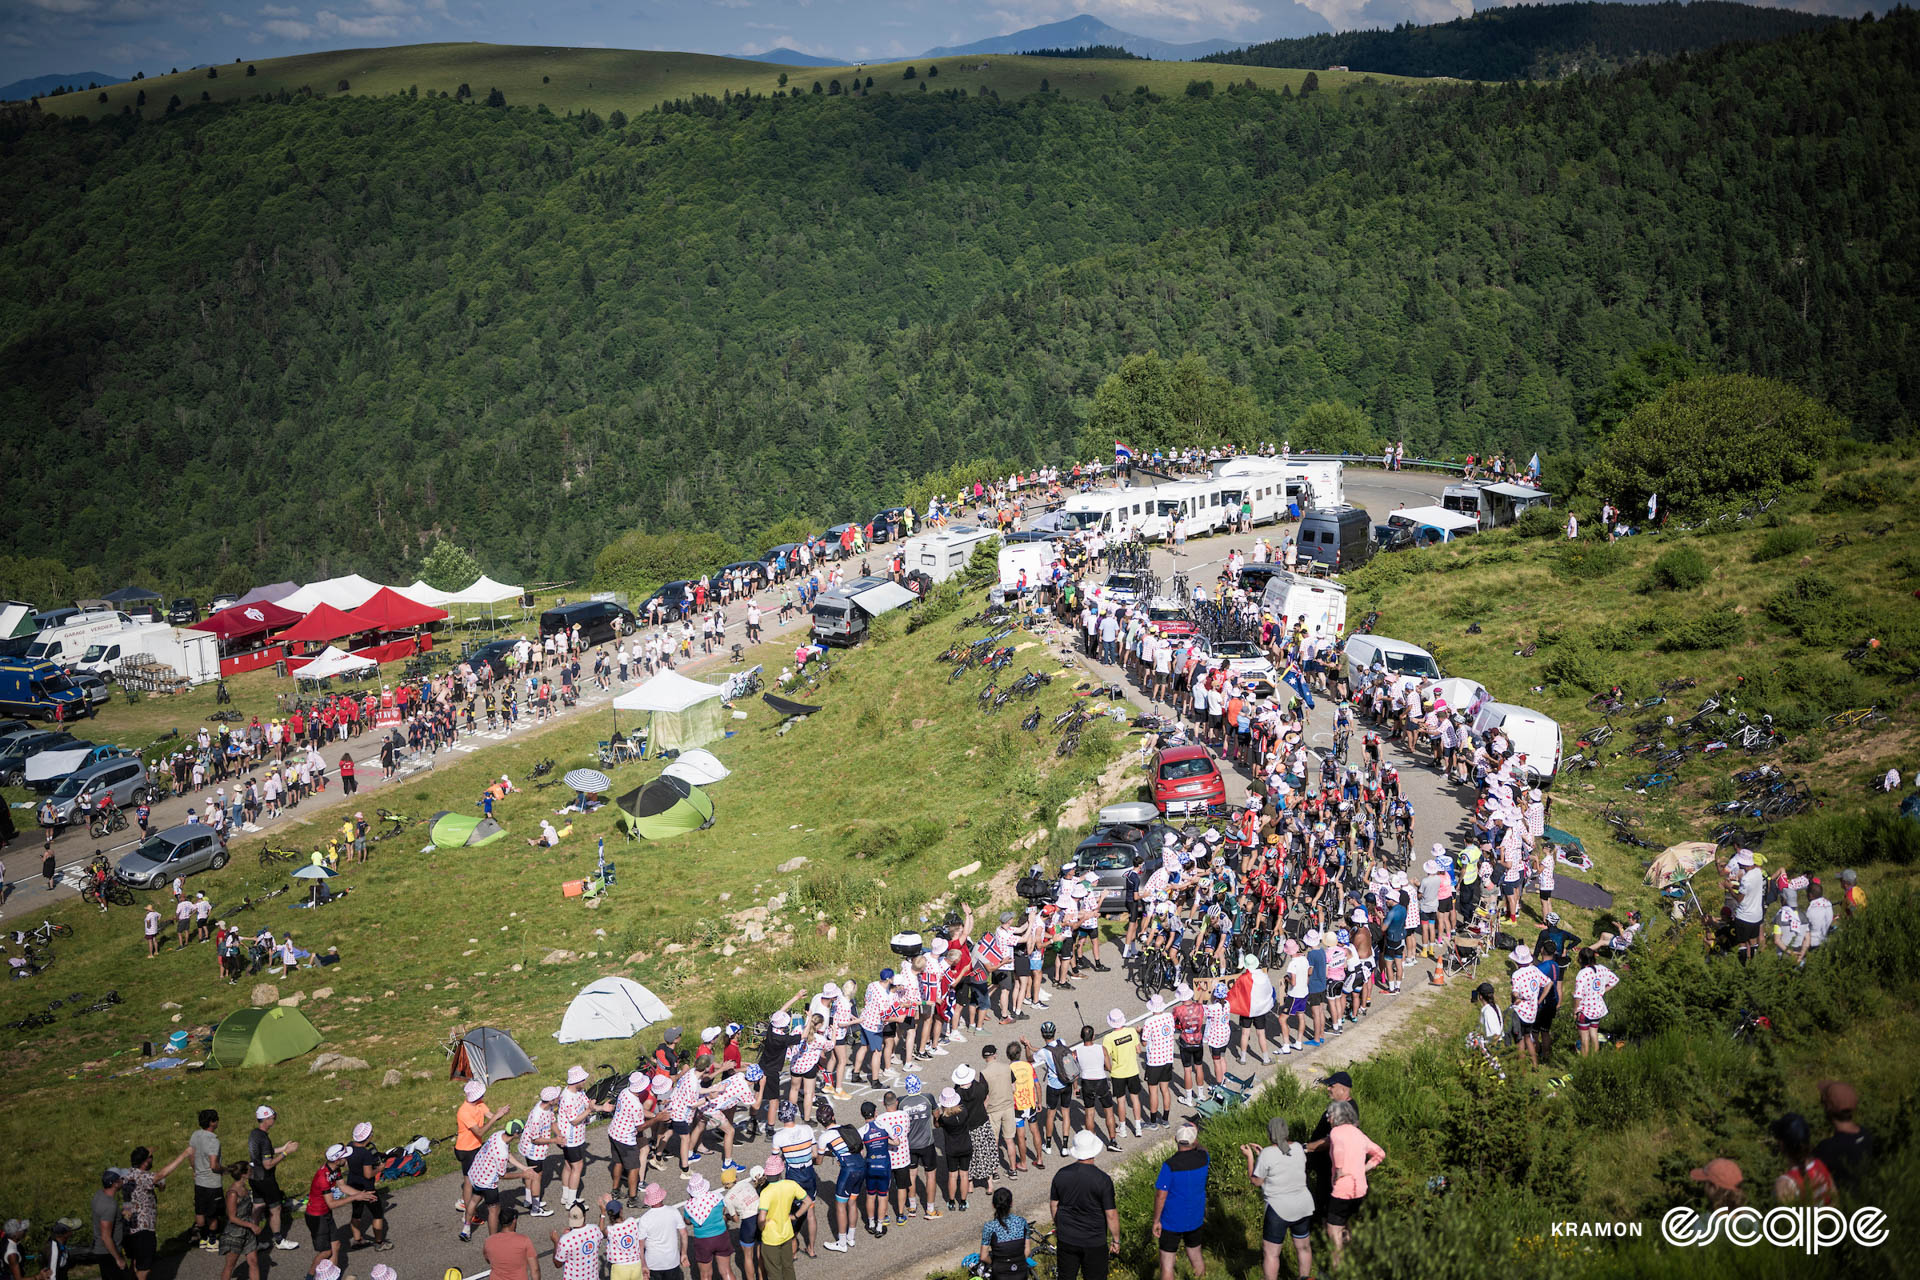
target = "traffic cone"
x: 1438, y: 978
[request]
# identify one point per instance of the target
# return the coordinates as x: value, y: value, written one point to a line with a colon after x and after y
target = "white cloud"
x: 373, y: 27
x: 279, y: 11
x: 399, y: 7
x: 287, y: 29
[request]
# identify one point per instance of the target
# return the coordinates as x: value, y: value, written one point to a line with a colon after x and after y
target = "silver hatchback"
x: 123, y: 779
x: 177, y: 851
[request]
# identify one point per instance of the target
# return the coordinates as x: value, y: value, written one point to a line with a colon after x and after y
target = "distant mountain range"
x: 794, y: 58
x: 1079, y: 32
x: 39, y: 86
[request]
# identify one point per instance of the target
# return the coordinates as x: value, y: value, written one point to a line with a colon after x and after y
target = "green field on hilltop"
x: 898, y: 781
x: 635, y: 80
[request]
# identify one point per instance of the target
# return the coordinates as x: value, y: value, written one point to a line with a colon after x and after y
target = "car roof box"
x: 1134, y: 813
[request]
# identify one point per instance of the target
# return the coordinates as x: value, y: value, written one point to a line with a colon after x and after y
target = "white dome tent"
x: 698, y: 766
x: 612, y: 1008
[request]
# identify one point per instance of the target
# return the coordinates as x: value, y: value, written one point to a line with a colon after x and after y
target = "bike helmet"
x: 514, y: 1127
x: 1048, y: 1031
x: 788, y: 1113
x: 755, y: 1073
x: 823, y: 1113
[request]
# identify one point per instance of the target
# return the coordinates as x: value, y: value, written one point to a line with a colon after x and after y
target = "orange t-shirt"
x: 468, y: 1121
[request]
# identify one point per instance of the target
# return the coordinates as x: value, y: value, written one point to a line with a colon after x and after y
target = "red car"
x: 1186, y: 780
x: 1170, y: 619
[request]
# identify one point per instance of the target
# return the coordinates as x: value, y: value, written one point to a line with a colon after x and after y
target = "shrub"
x: 1815, y: 609
x: 1587, y: 561
x: 1789, y: 540
x: 1679, y: 569
x: 1715, y: 629
x: 1862, y: 491
x: 1538, y: 522
x: 1831, y: 839
x: 1580, y: 664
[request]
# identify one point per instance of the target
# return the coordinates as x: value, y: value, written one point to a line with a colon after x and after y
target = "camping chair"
x: 1222, y: 1098
x: 1461, y: 956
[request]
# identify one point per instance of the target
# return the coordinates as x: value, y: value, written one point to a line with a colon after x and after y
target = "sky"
x: 120, y: 37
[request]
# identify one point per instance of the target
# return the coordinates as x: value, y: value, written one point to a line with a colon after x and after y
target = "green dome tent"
x: 664, y: 808
x: 262, y: 1037
x: 450, y: 830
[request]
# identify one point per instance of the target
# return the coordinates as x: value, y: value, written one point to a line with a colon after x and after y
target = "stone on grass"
x: 793, y: 864
x: 558, y: 956
x: 336, y: 1062
x: 392, y: 1078
x: 264, y: 994
x: 293, y: 1001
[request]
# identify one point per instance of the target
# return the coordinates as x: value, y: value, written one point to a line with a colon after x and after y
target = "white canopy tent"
x: 1450, y: 523
x: 421, y: 593
x: 334, y: 661
x: 484, y: 591
x: 682, y: 713
x: 613, y: 1008
x: 346, y: 594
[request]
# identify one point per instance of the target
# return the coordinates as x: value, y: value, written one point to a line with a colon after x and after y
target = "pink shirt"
x: 1354, y: 1153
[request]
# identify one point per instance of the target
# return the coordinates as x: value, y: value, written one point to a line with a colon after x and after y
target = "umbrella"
x: 591, y: 781
x: 313, y: 871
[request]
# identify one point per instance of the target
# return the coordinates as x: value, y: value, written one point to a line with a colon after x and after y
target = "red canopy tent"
x: 323, y: 625
x: 245, y: 620
x: 388, y: 610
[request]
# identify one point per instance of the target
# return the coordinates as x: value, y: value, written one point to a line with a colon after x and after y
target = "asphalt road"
x: 424, y: 1223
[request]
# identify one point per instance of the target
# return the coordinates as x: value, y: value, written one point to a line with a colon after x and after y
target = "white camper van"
x: 1198, y: 502
x: 1532, y: 733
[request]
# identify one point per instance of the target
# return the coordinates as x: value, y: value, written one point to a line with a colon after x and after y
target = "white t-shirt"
x: 1819, y: 921
x: 1297, y: 977
x: 1489, y: 1021
x: 1753, y: 884
x: 661, y: 1227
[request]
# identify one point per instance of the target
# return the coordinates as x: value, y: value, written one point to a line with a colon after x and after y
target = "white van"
x: 65, y: 643
x: 1319, y: 605
x: 1405, y: 663
x: 1532, y: 733
x: 941, y: 555
x: 1197, y: 501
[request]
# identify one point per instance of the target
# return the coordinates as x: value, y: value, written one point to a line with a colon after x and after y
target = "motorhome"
x: 1198, y: 502
x: 1493, y: 505
x: 65, y: 643
x: 1315, y: 603
x: 1322, y: 484
x: 1400, y: 662
x: 942, y: 555
x: 1034, y: 558
x: 1534, y: 734
x: 1115, y: 514
x: 1263, y: 491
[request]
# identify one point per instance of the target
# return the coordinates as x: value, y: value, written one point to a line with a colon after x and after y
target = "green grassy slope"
x: 634, y: 80
x: 882, y: 793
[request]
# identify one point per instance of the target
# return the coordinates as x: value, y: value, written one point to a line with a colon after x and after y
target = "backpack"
x: 1066, y: 1065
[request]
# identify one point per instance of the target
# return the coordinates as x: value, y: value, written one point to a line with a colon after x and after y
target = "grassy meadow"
x: 899, y: 781
x: 605, y: 80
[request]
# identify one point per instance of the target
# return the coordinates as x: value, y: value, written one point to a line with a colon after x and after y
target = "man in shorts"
x: 1096, y: 1085
x: 625, y: 1153
x: 471, y: 1120
x: 1057, y: 1065
x: 1158, y: 1041
x: 209, y: 1199
x: 1747, y: 885
x: 262, y: 1158
x: 1189, y: 1023
x: 369, y: 1225
x: 922, y: 1156
x: 493, y: 1164
x: 1122, y: 1044
x: 329, y: 1186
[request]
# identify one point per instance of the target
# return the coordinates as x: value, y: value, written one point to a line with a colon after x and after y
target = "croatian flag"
x: 1121, y: 453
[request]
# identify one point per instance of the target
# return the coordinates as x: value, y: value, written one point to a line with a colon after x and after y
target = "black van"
x: 1338, y: 537
x: 595, y: 618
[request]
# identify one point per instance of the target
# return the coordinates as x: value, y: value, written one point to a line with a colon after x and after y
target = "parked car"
x: 15, y: 750
x: 492, y: 654
x: 595, y: 618
x: 756, y: 570
x: 1389, y: 537
x: 96, y: 752
x: 671, y: 596
x: 1122, y: 832
x: 177, y: 851
x: 888, y: 524
x: 93, y: 684
x: 183, y: 612
x: 832, y: 538
x: 1186, y: 780
x: 123, y: 778
x: 225, y: 600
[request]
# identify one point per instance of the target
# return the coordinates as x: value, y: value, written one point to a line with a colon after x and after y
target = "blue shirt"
x: 1397, y: 922
x: 1183, y: 1176
x: 1013, y: 1231
x: 1316, y: 970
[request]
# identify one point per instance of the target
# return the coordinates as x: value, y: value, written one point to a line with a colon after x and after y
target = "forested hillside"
x: 1532, y: 41
x: 287, y: 339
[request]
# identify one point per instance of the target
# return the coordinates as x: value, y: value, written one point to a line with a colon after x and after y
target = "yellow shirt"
x: 1023, y: 1091
x: 776, y: 1210
x: 1124, y: 1046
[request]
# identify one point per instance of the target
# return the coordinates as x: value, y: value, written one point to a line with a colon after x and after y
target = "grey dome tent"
x: 489, y: 1055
